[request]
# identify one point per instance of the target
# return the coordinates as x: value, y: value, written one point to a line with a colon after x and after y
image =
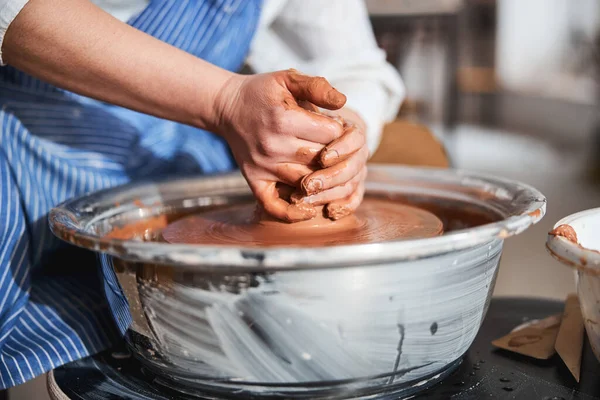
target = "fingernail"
x: 330, y: 156
x: 313, y: 186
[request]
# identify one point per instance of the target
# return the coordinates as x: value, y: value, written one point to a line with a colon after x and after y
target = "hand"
x: 274, y: 139
x: 340, y: 184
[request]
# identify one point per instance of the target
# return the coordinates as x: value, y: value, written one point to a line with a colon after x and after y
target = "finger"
x: 337, y: 119
x: 342, y: 208
x: 314, y: 89
x: 308, y: 125
x: 292, y: 174
x: 308, y: 106
x: 335, y: 194
x: 267, y: 196
x: 336, y: 175
x: 308, y: 153
x: 340, y: 149
x: 284, y: 148
x: 289, y: 149
x: 300, y: 151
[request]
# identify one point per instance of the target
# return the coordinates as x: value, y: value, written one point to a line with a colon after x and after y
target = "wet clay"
x: 139, y: 229
x: 374, y: 221
x: 523, y: 340
x: 567, y: 232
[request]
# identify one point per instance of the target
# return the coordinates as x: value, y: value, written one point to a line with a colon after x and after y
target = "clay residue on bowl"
x: 536, y: 214
x: 569, y: 233
x: 565, y: 231
x: 139, y: 229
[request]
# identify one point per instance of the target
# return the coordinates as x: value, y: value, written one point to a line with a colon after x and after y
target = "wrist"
x: 224, y: 104
x: 204, y: 110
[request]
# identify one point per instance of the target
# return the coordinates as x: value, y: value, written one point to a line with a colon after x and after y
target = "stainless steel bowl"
x: 321, y: 323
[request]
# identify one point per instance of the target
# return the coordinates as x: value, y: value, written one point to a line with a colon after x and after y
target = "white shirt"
x: 331, y: 38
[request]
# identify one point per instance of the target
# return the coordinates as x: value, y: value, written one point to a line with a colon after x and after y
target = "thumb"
x: 269, y: 199
x: 314, y: 89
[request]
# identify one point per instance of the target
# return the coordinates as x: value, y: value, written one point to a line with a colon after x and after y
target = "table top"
x: 485, y: 372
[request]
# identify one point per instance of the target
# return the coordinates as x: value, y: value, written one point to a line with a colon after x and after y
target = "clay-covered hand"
x: 273, y: 138
x: 340, y: 183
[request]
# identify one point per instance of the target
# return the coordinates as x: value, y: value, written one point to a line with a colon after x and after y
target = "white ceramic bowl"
x: 585, y: 257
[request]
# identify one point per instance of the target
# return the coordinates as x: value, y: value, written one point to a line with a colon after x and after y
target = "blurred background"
x: 511, y: 88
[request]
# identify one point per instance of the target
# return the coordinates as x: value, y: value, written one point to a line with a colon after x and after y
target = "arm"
x: 76, y: 46
x: 334, y: 39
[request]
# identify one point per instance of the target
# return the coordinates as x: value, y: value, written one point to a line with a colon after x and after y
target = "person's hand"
x: 339, y: 185
x: 275, y: 140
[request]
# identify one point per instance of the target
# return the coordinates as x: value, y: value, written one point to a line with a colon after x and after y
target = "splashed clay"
x: 567, y: 232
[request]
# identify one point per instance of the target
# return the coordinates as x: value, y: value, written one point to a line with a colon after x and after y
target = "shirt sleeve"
x: 334, y: 39
x: 8, y: 12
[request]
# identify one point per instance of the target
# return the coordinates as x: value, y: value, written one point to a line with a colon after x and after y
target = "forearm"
x: 76, y: 46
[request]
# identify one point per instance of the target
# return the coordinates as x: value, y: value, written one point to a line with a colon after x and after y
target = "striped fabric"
x: 55, y: 145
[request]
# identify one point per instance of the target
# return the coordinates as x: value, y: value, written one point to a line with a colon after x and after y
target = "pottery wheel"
x: 485, y: 372
x: 374, y: 221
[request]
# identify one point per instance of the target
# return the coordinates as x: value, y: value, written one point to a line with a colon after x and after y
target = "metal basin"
x: 329, y: 322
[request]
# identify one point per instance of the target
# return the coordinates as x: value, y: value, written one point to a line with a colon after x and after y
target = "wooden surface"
x: 408, y: 143
x: 477, y: 80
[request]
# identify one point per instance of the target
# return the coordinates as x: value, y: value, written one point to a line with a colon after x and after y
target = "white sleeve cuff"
x: 376, y: 101
x: 9, y: 9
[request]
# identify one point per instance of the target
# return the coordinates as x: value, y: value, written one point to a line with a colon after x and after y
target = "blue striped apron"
x: 55, y: 145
